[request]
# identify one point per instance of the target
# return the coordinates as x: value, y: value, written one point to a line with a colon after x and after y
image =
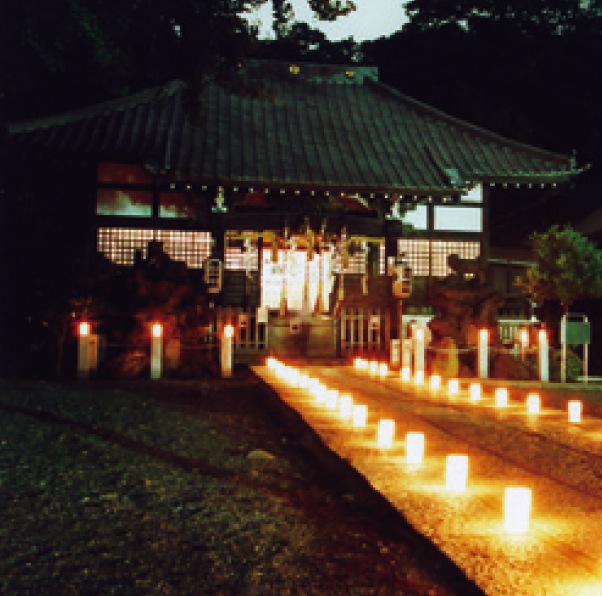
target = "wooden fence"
x: 251, y: 335
x: 365, y: 330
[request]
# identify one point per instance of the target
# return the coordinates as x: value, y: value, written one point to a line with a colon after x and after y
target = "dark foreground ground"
x: 206, y: 487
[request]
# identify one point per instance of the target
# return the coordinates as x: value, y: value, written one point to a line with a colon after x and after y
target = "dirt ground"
x: 205, y: 487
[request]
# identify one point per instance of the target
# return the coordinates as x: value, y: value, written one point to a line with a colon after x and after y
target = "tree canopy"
x: 526, y: 16
x: 64, y: 53
x: 568, y: 267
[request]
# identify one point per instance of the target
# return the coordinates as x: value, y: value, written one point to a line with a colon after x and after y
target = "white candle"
x: 575, y: 407
x: 415, y: 448
x: 501, y: 397
x: 533, y: 403
x: 385, y: 433
x: 360, y: 415
x: 456, y: 473
x: 346, y: 406
x: 517, y: 509
x: 474, y: 392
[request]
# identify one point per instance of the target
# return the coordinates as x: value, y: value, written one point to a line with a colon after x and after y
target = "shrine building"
x: 308, y: 190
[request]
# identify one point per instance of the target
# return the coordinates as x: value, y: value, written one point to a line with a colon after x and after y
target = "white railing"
x: 508, y: 329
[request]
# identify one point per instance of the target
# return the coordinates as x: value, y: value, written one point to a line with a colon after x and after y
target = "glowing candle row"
x: 533, y: 400
x: 517, y: 500
x: 374, y: 367
x: 329, y: 398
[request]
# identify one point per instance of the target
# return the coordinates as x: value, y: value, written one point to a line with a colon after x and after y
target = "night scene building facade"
x: 298, y: 196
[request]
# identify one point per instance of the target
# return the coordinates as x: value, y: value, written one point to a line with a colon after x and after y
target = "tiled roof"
x: 321, y: 127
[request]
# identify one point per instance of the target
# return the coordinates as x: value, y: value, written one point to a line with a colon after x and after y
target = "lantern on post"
x: 226, y: 351
x: 523, y: 336
x: 156, y: 350
x: 419, y: 350
x: 544, y: 359
x: 483, y: 353
x: 84, y: 348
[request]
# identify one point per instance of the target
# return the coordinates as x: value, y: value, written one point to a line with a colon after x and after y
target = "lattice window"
x: 429, y: 257
x: 417, y: 253
x: 357, y: 262
x: 120, y: 244
x: 241, y: 254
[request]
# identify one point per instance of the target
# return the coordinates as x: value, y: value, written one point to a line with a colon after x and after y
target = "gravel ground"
x: 561, y: 553
x: 212, y: 487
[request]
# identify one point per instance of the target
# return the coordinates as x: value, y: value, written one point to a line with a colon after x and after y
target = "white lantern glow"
x: 419, y: 377
x: 456, y: 473
x: 435, y: 382
x: 157, y: 354
x: 453, y: 386
x: 303, y: 381
x: 517, y: 509
x: 320, y: 394
x: 474, y: 391
x: 524, y: 341
x: 373, y: 367
x: 405, y: 373
x: 332, y: 399
x: 383, y: 369
x: 385, y: 433
x: 313, y: 385
x: 544, y: 356
x: 418, y: 350
x: 575, y: 408
x: 501, y: 397
x: 346, y: 406
x: 533, y: 403
x: 483, y: 353
x: 415, y: 448
x: 360, y: 415
x: 83, y: 350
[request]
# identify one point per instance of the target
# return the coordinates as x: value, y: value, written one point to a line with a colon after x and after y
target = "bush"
x: 574, y: 365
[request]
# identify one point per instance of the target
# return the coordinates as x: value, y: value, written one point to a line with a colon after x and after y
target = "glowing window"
x: 473, y: 195
x: 458, y: 219
x: 357, y: 260
x: 304, y: 279
x: 417, y: 217
x: 124, y: 201
x: 241, y: 253
x: 429, y: 257
x: 175, y: 205
x: 121, y: 244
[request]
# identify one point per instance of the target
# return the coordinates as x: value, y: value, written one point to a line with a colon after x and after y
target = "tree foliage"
x: 304, y: 43
x: 568, y: 267
x: 64, y: 53
x: 526, y: 16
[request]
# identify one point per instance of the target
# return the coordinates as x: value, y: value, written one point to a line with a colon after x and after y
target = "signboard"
x: 576, y: 333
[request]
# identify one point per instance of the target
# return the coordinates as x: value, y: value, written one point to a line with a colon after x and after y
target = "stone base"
x: 303, y: 337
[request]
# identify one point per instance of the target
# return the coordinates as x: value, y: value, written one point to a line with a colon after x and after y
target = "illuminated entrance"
x: 298, y: 280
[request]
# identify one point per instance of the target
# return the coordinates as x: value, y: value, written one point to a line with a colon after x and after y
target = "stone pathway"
x: 561, y: 554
